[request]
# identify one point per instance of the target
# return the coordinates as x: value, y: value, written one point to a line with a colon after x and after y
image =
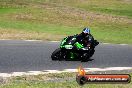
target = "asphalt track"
x: 22, y: 56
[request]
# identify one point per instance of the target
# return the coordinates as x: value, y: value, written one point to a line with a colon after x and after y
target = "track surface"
x: 22, y: 56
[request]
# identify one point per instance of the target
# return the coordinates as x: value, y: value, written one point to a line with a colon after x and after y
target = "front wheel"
x: 56, y: 55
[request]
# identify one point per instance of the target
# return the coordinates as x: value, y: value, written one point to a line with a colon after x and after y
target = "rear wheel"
x: 92, y: 52
x: 85, y: 57
x: 56, y: 55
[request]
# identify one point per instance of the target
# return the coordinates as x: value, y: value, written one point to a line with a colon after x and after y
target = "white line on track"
x: 65, y: 70
x: 105, y: 43
x: 100, y: 43
x: 54, y: 41
x: 123, y: 44
x: 33, y: 40
x: 4, y: 39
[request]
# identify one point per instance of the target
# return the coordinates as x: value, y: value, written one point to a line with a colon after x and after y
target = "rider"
x: 85, y: 37
x: 87, y: 40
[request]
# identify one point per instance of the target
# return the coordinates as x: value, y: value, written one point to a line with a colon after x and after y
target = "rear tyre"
x: 92, y: 52
x: 56, y: 55
x: 85, y: 57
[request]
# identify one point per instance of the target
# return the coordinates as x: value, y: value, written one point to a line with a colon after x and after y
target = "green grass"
x: 103, y: 35
x: 66, y: 84
x: 39, y: 81
x: 116, y: 7
x: 109, y: 20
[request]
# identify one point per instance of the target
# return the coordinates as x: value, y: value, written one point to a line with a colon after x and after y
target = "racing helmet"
x: 86, y: 31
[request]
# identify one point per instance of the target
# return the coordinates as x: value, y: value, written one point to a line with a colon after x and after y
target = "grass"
x: 110, y: 21
x: 114, y: 7
x: 71, y: 84
x: 42, y: 81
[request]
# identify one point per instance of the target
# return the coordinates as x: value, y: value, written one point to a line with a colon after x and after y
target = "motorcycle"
x: 70, y: 49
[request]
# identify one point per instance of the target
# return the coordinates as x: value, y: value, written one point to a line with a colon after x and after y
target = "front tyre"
x: 56, y: 55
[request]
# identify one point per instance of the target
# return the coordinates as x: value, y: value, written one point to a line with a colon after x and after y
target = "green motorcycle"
x: 70, y: 49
